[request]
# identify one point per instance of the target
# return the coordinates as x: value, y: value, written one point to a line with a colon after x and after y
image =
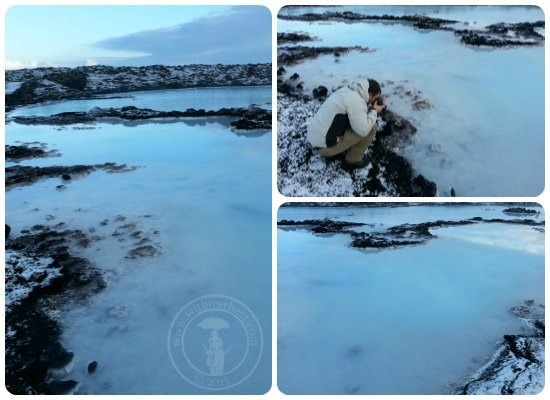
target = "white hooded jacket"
x: 346, y: 104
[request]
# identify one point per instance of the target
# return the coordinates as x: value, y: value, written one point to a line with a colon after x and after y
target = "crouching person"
x: 346, y: 123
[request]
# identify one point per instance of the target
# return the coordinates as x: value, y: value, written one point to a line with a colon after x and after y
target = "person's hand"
x: 379, y: 108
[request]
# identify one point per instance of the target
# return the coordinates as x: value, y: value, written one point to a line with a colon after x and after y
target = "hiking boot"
x: 351, y: 166
x: 336, y: 157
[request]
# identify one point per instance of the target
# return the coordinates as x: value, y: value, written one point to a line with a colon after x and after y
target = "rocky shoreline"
x: 42, y: 272
x: 250, y: 118
x: 27, y: 151
x: 302, y: 172
x: 292, y: 55
x: 47, y: 271
x: 495, y: 35
x: 25, y: 175
x: 395, y: 236
x: 517, y: 367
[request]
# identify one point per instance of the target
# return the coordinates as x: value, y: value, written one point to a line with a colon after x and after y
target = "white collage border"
x: 278, y: 199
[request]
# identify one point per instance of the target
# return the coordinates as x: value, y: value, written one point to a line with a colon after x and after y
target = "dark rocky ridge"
x: 28, y: 151
x: 43, y: 84
x: 321, y: 226
x: 520, y: 211
x: 248, y: 118
x: 24, y: 175
x: 292, y: 55
x: 496, y: 35
x: 294, y: 37
x: 418, y: 21
x: 503, y: 35
x: 403, y: 204
x: 392, y: 237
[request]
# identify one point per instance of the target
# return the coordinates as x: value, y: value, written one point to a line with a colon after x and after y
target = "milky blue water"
x: 162, y: 100
x: 413, y: 320
x: 207, y: 193
x: 485, y: 133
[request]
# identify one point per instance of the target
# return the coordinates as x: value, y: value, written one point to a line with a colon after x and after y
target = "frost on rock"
x: 303, y: 172
x: 43, y: 274
x: 41, y: 84
x: 25, y: 273
x: 518, y: 365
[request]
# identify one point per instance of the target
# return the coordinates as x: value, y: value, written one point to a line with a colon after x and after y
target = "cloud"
x: 18, y: 64
x: 240, y: 35
x: 89, y: 62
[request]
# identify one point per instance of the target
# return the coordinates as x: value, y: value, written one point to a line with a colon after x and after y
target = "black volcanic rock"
x: 292, y: 55
x: 320, y: 226
x: 33, y: 349
x: 293, y: 37
x: 517, y: 367
x: 60, y: 387
x: 92, y: 367
x: 423, y: 187
x: 519, y: 211
x: 22, y: 152
x: 320, y: 92
x: 43, y: 84
x: 394, y: 236
x: 496, y: 35
x: 23, y: 174
x: 249, y: 117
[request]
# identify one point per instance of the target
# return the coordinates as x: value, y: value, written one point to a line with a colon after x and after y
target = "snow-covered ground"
x: 484, y: 134
x: 201, y: 191
x: 408, y: 320
x: 103, y: 78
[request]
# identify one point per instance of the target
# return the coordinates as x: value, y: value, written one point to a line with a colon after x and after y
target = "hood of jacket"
x: 362, y: 88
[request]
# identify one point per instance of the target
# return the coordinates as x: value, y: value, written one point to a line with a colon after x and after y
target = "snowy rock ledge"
x: 42, y: 274
x: 42, y: 84
x: 303, y: 172
x: 517, y: 367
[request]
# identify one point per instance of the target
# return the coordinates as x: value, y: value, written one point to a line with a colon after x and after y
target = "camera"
x: 379, y: 101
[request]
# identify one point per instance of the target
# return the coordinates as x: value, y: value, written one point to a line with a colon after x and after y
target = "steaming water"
x: 485, y: 134
x: 413, y: 320
x: 208, y: 194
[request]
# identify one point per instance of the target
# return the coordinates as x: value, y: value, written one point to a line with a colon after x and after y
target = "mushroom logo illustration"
x: 215, y: 353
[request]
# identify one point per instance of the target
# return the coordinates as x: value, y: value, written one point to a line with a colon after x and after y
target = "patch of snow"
x: 25, y: 273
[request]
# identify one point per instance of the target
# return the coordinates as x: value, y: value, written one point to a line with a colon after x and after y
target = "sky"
x: 72, y: 36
